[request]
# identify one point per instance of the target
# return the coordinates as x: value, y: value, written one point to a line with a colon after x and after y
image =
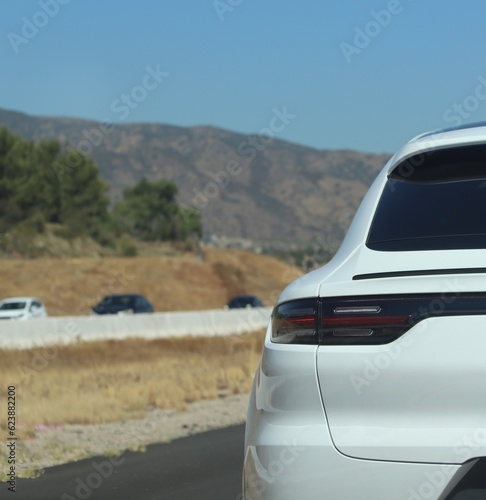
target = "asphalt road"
x: 204, y: 467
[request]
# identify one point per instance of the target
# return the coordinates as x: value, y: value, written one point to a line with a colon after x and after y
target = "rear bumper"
x: 290, y: 455
x: 288, y: 461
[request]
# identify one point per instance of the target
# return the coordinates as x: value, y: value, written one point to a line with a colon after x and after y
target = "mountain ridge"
x: 245, y: 186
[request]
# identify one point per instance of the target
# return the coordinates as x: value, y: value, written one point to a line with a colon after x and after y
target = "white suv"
x: 372, y: 382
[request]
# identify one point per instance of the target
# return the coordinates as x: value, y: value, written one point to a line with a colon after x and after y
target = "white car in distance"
x: 372, y: 381
x: 22, y: 308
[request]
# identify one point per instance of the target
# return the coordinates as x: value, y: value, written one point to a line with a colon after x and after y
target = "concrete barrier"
x: 68, y: 330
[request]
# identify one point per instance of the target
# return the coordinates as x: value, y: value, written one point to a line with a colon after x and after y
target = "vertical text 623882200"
x: 12, y: 439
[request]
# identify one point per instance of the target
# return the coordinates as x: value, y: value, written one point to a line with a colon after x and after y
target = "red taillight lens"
x: 377, y: 319
x: 295, y: 322
x: 341, y: 321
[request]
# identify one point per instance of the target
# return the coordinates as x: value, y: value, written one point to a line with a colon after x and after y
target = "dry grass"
x: 117, y: 380
x: 72, y: 286
x: 109, y: 381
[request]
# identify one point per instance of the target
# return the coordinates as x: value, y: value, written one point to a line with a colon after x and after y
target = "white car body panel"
x: 419, y: 399
x: 289, y: 446
x: 399, y: 420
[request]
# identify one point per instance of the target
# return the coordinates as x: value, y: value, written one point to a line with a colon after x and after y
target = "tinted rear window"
x: 434, y: 201
x: 117, y: 300
x: 12, y: 306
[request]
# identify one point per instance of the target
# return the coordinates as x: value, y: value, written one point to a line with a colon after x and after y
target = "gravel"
x: 61, y: 444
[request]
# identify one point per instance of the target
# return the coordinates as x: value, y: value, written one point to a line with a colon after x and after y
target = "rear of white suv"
x: 372, y: 383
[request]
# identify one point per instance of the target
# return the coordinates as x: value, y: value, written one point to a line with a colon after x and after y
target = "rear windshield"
x: 433, y: 201
x: 117, y: 300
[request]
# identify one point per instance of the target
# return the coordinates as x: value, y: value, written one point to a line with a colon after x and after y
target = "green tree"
x: 149, y: 212
x: 32, y: 192
x: 41, y: 184
x: 83, y: 202
x: 22, y: 190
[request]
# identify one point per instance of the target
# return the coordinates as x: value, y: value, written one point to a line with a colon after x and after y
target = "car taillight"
x: 365, y: 320
x: 295, y: 322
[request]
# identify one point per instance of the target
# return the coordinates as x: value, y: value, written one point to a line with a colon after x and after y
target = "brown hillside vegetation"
x: 72, y: 286
x: 106, y: 381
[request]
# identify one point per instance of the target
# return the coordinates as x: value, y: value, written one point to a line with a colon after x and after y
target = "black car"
x: 242, y: 301
x: 123, y: 304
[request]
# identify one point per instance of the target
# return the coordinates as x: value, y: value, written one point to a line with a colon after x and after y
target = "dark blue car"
x: 123, y: 304
x: 243, y: 301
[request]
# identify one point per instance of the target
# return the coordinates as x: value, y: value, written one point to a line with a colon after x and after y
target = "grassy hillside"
x: 72, y: 286
x: 110, y: 380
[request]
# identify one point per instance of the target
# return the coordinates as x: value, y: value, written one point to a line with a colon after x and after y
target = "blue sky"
x: 350, y: 75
